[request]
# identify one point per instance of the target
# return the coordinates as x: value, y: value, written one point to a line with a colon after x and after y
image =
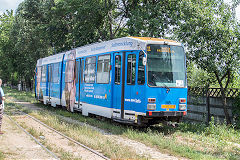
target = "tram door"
x: 118, y: 91
x: 124, y: 83
x: 38, y: 80
x: 130, y: 87
x: 49, y: 82
x: 78, y: 78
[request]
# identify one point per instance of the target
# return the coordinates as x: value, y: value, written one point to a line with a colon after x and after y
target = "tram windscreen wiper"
x: 165, y: 86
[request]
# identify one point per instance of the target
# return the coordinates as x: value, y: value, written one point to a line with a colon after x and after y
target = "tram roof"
x: 119, y: 44
x: 51, y: 59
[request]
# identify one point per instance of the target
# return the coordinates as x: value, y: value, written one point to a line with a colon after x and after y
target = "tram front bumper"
x: 165, y: 113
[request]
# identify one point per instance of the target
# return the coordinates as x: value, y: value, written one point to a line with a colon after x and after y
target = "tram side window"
x: 89, y: 73
x: 131, y: 69
x: 103, y: 69
x: 141, y: 69
x: 77, y: 71
x: 39, y: 71
x: 50, y: 78
x: 117, y: 69
x: 55, y: 73
x: 82, y: 66
x: 69, y: 71
x: 44, y: 70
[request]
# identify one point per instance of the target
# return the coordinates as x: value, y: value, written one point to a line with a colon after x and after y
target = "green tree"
x: 153, y: 18
x: 29, y: 37
x: 212, y: 38
x: 6, y: 65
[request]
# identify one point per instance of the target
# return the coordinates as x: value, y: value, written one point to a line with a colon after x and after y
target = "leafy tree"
x: 212, y: 38
x: 153, y: 18
x: 29, y: 38
x: 197, y: 77
x: 6, y: 65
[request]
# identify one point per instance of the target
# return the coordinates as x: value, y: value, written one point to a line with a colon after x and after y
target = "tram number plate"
x: 168, y: 106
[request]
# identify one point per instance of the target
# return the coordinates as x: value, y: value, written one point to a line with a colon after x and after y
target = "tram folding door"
x: 118, y: 91
x: 50, y: 84
x: 124, y: 83
x: 39, y: 95
x: 79, y: 82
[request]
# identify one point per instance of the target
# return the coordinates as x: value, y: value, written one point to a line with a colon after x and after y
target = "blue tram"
x: 136, y: 80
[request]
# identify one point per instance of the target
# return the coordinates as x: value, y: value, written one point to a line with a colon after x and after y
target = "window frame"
x: 77, y: 67
x: 69, y: 81
x: 50, y: 73
x: 115, y: 77
x: 44, y: 68
x: 141, y: 54
x: 131, y: 83
x: 82, y: 67
x: 86, y: 67
x: 109, y: 69
x: 39, y: 74
x: 53, y: 66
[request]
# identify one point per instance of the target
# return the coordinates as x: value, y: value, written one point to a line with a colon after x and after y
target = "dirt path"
x: 16, y: 144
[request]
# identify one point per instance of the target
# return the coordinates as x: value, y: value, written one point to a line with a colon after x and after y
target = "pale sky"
x: 8, y: 5
x: 13, y: 4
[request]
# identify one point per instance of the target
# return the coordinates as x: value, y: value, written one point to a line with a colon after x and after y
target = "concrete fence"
x: 206, y: 103
x: 198, y: 110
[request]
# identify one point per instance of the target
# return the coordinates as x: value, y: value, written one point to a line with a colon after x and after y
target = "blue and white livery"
x: 136, y: 80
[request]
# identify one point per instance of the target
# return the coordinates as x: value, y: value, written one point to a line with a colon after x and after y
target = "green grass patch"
x: 1, y: 156
x: 84, y: 134
x: 194, y: 141
x: 88, y: 137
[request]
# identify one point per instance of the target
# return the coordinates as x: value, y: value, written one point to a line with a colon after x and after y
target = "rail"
x: 63, y: 135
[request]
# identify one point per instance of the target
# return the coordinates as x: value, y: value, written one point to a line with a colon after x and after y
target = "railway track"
x: 96, y: 154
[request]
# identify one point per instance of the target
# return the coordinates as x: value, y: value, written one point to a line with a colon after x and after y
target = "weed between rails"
x: 60, y: 152
x: 88, y: 137
x: 195, y: 141
x: 83, y: 134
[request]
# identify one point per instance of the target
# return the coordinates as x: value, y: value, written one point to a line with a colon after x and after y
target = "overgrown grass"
x: 83, y: 134
x: 194, y: 141
x: 60, y: 152
x: 20, y: 95
x: 1, y: 156
x: 88, y: 136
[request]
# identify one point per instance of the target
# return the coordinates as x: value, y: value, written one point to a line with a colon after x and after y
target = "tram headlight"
x: 182, y: 106
x: 151, y: 106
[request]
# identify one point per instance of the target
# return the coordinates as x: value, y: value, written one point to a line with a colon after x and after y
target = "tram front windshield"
x: 166, y: 66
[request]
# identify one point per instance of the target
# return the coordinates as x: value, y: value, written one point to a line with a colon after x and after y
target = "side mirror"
x: 144, y: 61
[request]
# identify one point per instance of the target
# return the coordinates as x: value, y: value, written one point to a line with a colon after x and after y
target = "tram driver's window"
x: 131, y: 69
x: 141, y: 69
x: 117, y: 69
